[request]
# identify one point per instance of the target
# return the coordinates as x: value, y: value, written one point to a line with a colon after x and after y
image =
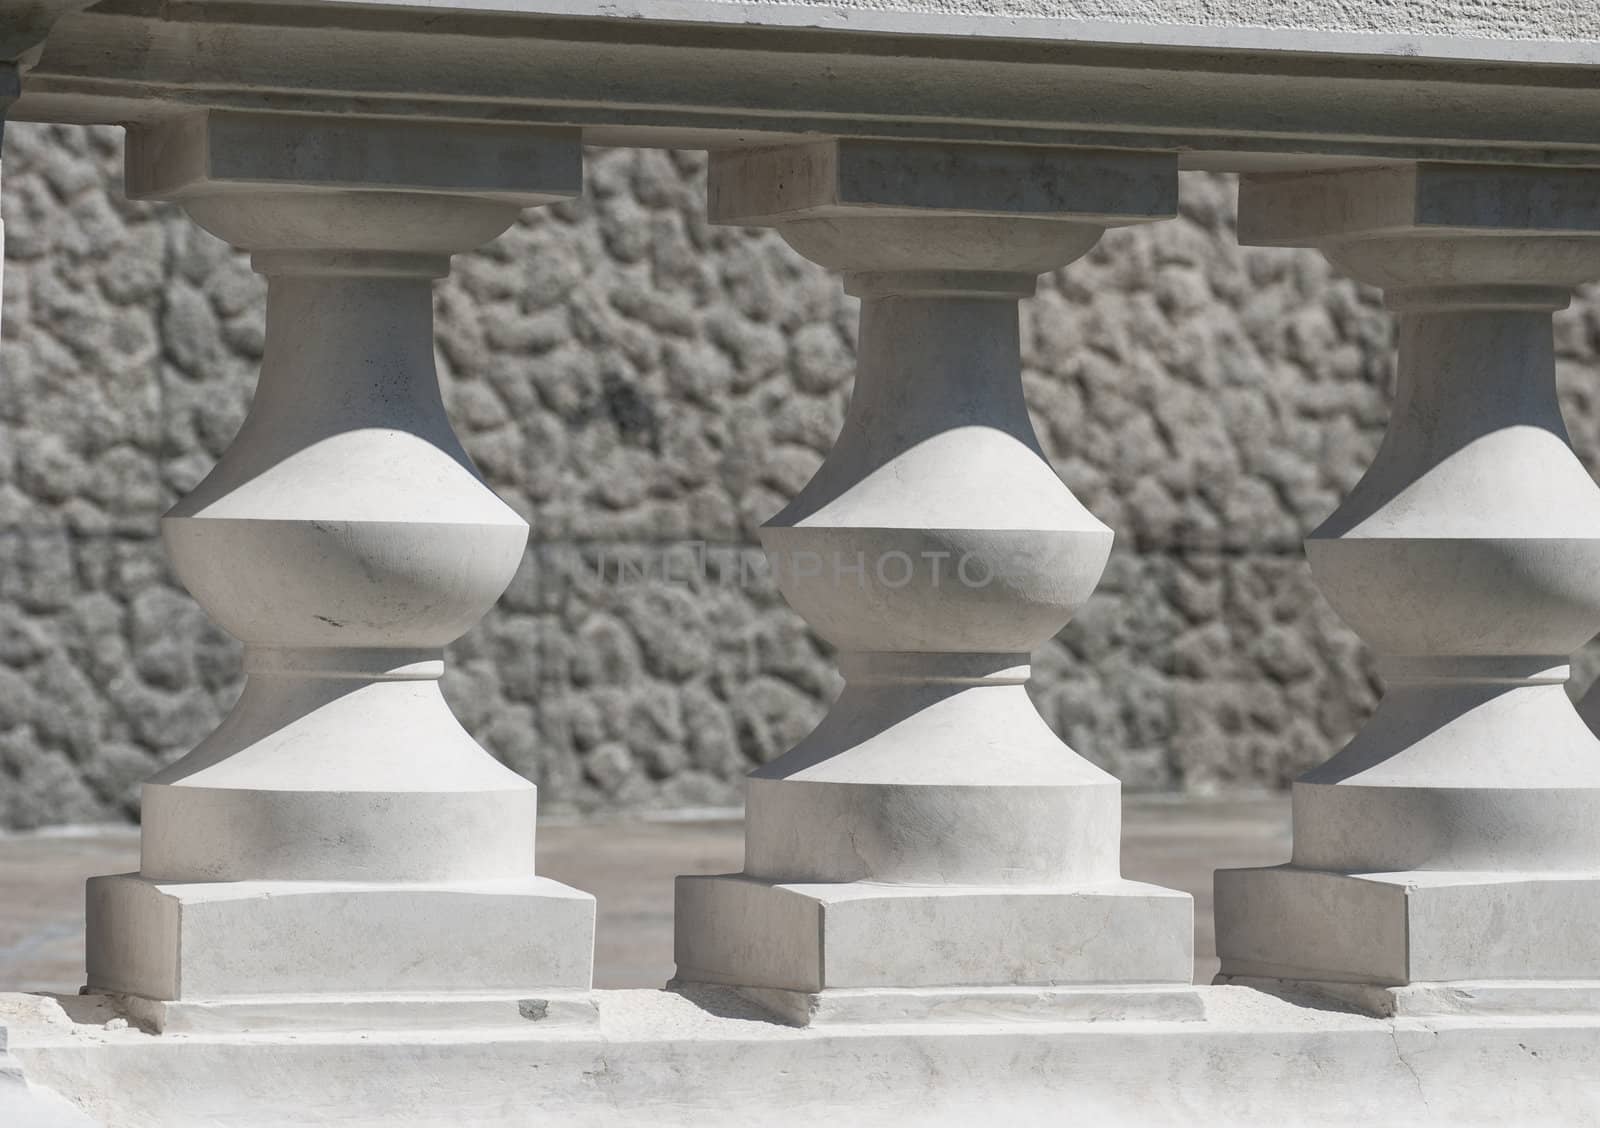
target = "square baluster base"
x: 340, y: 955
x: 861, y: 952
x: 1421, y: 942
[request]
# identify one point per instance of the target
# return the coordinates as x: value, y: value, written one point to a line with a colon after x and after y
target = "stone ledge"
x: 284, y: 1015
x: 1480, y: 999
x: 656, y: 1058
x: 869, y: 1006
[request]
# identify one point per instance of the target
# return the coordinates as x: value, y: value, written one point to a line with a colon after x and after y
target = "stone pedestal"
x: 932, y: 847
x: 1454, y: 844
x: 340, y: 847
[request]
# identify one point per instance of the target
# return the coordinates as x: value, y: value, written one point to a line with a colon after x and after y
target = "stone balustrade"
x: 338, y: 885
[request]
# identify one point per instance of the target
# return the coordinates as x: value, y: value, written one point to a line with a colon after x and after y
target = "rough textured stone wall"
x: 632, y: 379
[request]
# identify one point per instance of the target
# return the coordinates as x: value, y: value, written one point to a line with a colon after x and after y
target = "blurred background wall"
x: 645, y: 389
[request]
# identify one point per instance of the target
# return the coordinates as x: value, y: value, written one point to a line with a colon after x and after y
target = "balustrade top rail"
x: 1232, y: 85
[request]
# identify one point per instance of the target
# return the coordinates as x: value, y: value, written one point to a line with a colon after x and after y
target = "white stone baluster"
x: 1449, y: 856
x: 932, y: 847
x: 340, y: 849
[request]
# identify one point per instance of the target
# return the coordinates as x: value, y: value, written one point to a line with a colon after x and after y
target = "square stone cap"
x: 1307, y: 209
x: 24, y: 23
x: 222, y: 150
x: 845, y: 177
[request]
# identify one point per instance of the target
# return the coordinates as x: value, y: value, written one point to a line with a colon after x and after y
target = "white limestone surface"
x: 656, y: 1058
x: 27, y: 1106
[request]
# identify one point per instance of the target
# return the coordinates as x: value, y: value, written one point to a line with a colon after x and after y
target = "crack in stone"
x: 1400, y: 1056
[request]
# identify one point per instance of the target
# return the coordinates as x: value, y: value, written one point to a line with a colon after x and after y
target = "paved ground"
x: 629, y: 866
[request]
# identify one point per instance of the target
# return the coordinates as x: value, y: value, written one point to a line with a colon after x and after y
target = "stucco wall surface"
x: 645, y: 389
x: 1519, y: 31
x: 1498, y: 19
